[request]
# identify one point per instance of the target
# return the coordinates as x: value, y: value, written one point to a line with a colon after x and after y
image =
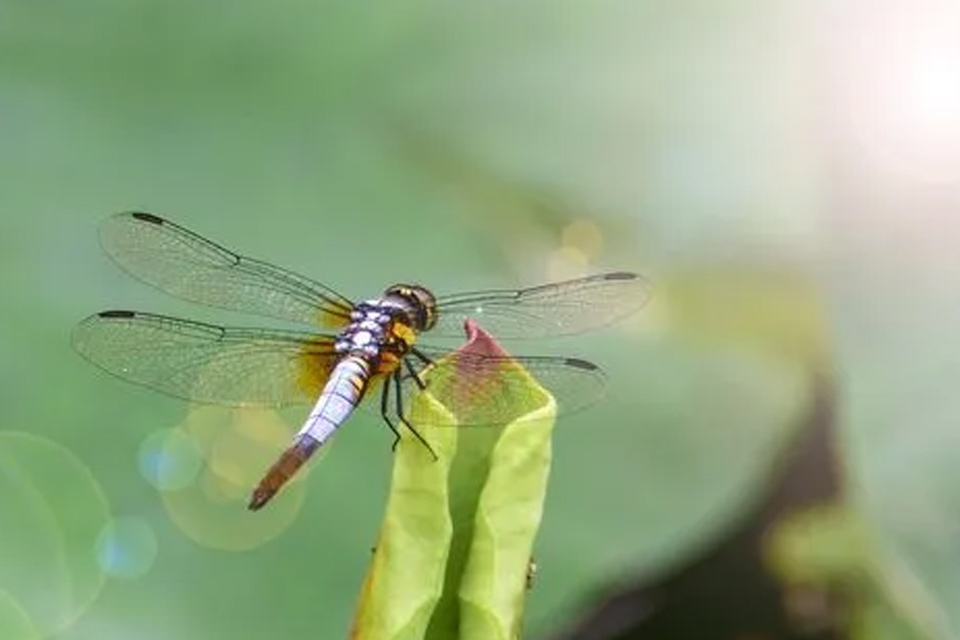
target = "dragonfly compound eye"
x: 420, y: 303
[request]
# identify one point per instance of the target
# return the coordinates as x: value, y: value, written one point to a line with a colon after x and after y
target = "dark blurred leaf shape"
x: 733, y: 591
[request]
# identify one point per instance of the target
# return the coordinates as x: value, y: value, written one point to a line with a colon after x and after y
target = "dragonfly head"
x: 421, y: 304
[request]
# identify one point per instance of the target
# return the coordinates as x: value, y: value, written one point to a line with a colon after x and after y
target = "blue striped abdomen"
x: 339, y: 398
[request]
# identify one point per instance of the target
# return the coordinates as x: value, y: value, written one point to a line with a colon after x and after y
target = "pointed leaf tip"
x: 480, y: 342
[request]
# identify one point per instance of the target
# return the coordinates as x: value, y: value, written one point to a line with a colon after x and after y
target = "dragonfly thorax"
x: 376, y: 326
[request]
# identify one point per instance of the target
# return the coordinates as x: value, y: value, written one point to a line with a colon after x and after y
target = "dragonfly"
x: 350, y: 347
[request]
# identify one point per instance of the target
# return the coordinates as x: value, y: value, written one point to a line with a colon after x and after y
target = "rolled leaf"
x: 452, y: 558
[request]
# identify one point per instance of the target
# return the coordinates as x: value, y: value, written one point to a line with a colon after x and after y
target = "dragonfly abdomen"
x: 341, y: 394
x: 339, y: 397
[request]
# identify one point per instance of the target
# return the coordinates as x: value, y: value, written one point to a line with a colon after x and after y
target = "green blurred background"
x: 784, y: 172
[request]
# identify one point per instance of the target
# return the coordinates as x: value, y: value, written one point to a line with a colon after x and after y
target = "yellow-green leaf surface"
x: 454, y: 548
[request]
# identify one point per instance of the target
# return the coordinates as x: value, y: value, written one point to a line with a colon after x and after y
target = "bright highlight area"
x: 900, y: 88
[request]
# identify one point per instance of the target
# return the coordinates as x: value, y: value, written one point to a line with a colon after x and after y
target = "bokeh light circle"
x: 51, y: 510
x: 236, y: 447
x: 567, y: 262
x: 15, y: 623
x: 170, y: 459
x: 126, y: 548
x: 583, y: 235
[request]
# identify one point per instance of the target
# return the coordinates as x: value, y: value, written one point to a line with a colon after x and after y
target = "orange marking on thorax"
x: 400, y: 337
x: 318, y: 361
x: 403, y: 331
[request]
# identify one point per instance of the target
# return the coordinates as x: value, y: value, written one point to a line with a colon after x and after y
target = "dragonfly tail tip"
x: 259, y: 498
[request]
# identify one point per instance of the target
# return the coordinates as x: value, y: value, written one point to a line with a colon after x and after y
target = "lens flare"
x: 565, y: 263
x: 235, y: 446
x: 170, y: 459
x: 51, y: 510
x: 15, y: 623
x: 126, y: 548
x: 585, y: 236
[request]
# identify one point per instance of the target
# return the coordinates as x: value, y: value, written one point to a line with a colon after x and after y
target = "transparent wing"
x: 182, y: 263
x: 484, y: 390
x: 205, y: 362
x: 561, y: 308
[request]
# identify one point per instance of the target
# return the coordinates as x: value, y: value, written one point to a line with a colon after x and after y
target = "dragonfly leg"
x: 424, y: 358
x: 385, y: 412
x: 403, y: 419
x: 414, y: 374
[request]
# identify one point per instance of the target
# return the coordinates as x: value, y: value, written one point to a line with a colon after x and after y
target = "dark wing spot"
x: 147, y: 217
x: 581, y: 364
x: 620, y: 275
x: 117, y: 313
